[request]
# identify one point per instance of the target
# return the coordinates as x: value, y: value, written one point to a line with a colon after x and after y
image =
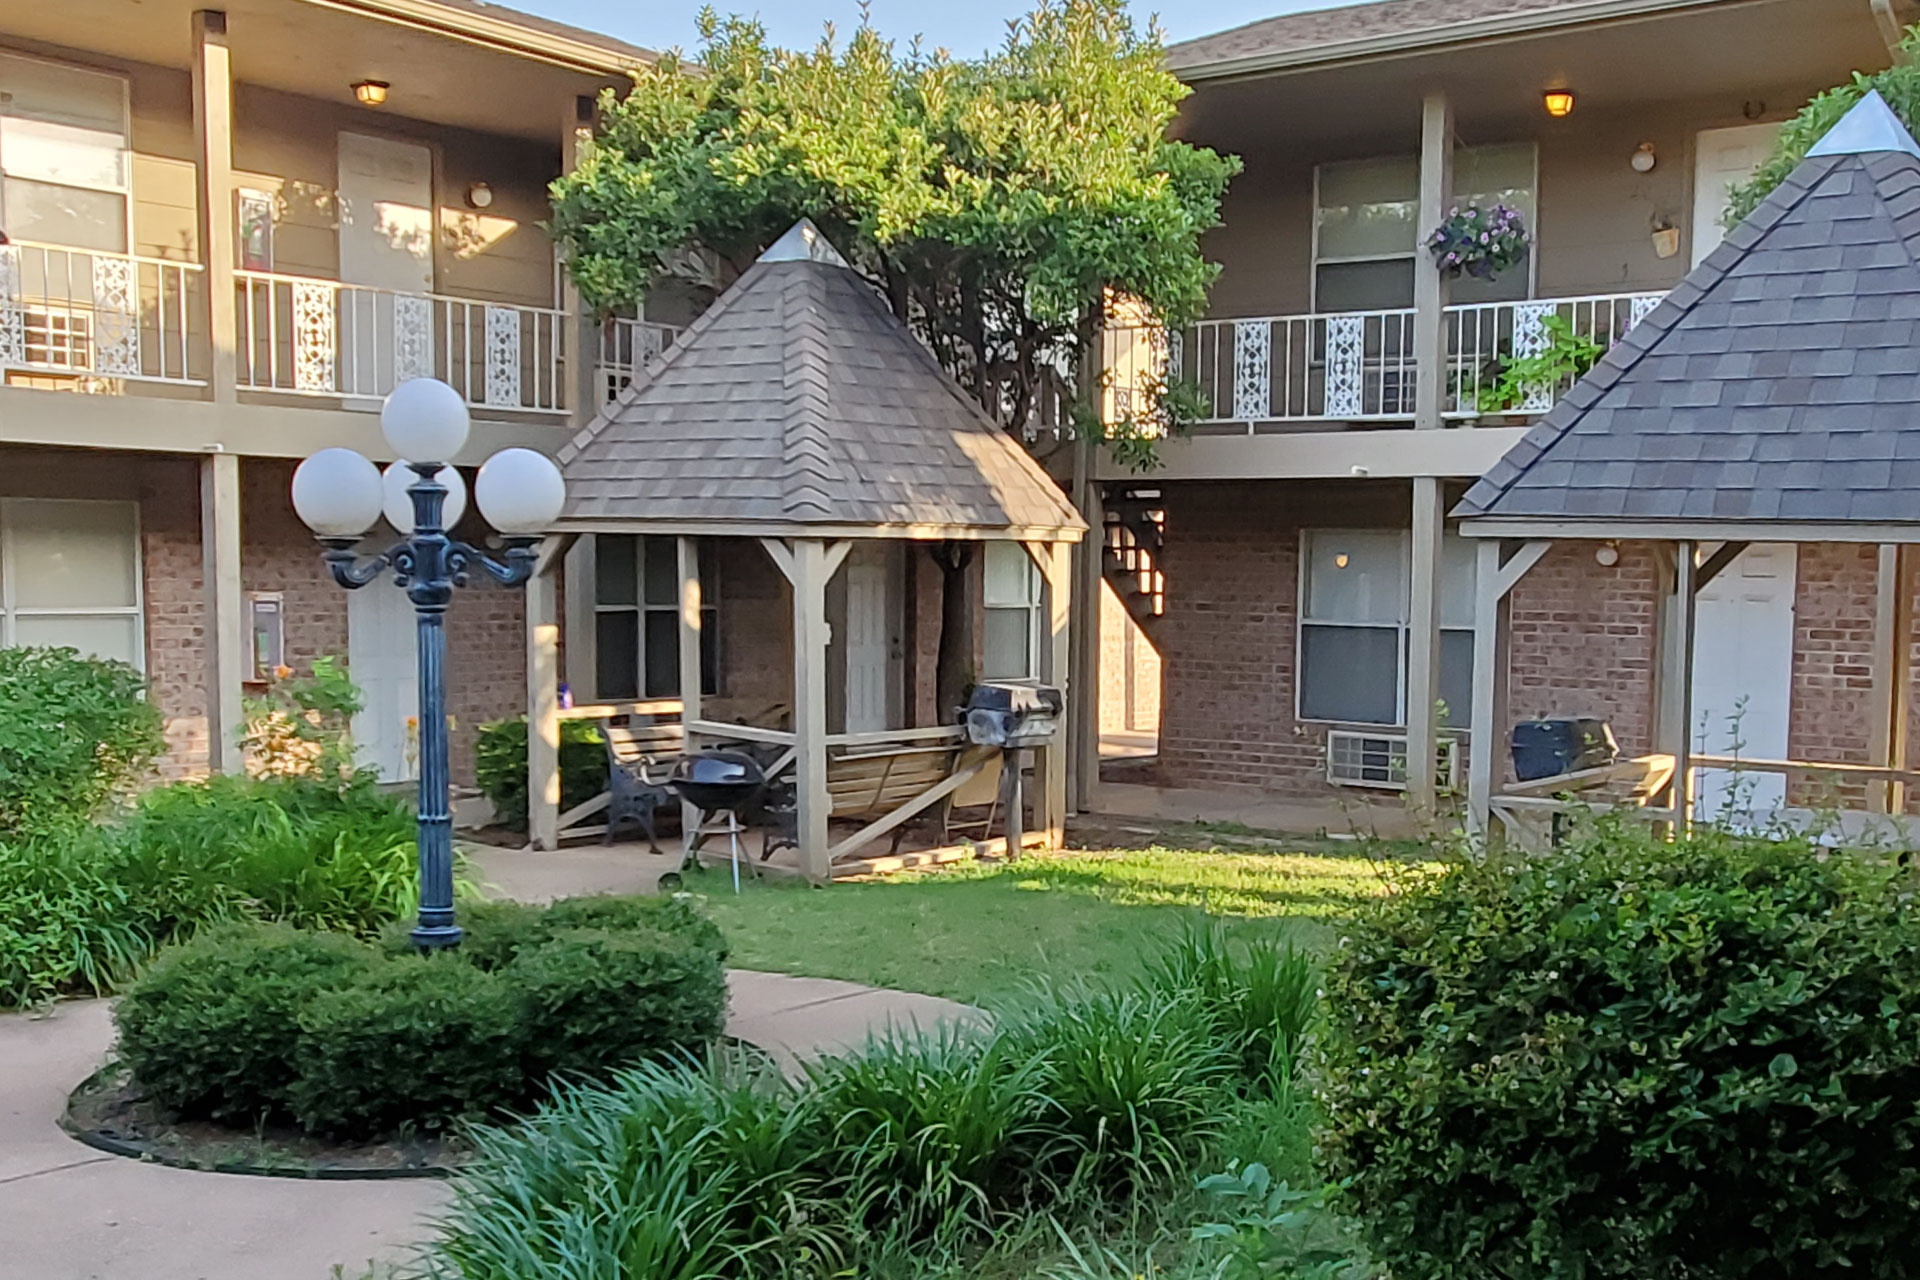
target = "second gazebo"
x: 799, y: 414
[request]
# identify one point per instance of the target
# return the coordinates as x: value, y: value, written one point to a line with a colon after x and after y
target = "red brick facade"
x: 1582, y: 639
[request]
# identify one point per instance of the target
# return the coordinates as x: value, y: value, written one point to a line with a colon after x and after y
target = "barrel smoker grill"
x: 1013, y: 716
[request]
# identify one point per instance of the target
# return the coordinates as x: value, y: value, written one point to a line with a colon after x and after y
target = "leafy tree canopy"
x: 1898, y: 84
x: 998, y: 203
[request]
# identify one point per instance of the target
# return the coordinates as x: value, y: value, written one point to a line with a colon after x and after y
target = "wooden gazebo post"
x: 543, y: 695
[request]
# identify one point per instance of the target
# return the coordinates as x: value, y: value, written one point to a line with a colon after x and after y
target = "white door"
x: 868, y: 650
x: 381, y: 660
x: 1742, y: 678
x: 1722, y: 160
x: 386, y: 243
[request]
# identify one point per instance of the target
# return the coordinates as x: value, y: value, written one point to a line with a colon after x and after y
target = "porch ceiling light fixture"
x: 1643, y: 158
x: 1558, y: 102
x: 370, y: 93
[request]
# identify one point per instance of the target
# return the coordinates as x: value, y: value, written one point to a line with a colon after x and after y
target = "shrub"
x: 341, y: 1037
x: 213, y: 1029
x: 423, y: 1041
x: 302, y: 726
x: 1687, y: 1059
x: 500, y: 766
x: 66, y: 923
x: 73, y: 731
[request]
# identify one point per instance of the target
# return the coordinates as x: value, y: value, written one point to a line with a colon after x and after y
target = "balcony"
x: 1268, y: 373
x: 100, y: 320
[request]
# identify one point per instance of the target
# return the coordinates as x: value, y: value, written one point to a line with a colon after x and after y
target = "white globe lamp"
x: 337, y: 493
x: 397, y: 504
x: 425, y: 418
x: 520, y: 491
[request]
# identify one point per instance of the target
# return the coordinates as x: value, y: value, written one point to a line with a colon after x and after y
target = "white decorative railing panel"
x: 627, y: 347
x: 314, y: 337
x: 102, y: 318
x: 1360, y: 366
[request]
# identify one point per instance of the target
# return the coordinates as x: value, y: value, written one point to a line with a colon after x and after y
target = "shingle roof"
x: 1333, y: 29
x: 798, y: 400
x: 1779, y: 382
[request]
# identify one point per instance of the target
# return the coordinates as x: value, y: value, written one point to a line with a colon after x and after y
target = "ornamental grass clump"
x: 1633, y: 1057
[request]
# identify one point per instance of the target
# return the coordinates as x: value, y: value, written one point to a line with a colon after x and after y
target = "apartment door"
x: 1742, y: 678
x: 1723, y: 159
x: 869, y: 649
x: 386, y: 244
x: 381, y: 659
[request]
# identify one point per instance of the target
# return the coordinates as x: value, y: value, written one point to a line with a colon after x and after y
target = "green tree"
x: 1898, y: 84
x: 997, y: 203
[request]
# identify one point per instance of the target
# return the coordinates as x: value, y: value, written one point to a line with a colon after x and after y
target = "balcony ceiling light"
x: 370, y: 93
x: 1559, y: 102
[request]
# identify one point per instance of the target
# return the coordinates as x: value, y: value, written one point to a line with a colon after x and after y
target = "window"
x: 1353, y: 626
x: 70, y: 576
x: 63, y: 155
x: 636, y: 616
x: 1366, y: 234
x: 1013, y: 613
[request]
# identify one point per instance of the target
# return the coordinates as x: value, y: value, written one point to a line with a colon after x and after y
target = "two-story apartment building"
x: 231, y: 232
x: 1292, y: 564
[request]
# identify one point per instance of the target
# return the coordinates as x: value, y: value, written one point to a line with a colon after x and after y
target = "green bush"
x: 423, y: 1041
x: 1633, y: 1058
x: 82, y: 907
x: 214, y: 1029
x: 919, y: 1146
x: 73, y: 731
x: 500, y: 766
x: 342, y: 1037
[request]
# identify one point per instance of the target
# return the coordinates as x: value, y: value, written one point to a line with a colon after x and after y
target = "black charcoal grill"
x: 1014, y: 716
x: 722, y: 785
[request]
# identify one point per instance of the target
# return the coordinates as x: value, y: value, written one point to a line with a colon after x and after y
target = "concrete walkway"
x: 68, y: 1212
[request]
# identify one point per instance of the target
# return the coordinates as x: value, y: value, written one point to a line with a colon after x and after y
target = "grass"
x: 980, y: 933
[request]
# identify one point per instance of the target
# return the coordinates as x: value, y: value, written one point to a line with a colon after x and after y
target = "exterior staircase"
x: 1135, y: 527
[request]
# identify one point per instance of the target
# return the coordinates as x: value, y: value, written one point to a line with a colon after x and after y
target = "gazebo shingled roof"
x: 1778, y: 384
x: 798, y: 404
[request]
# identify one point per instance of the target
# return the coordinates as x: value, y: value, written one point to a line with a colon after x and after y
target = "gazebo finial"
x: 1868, y: 126
x: 805, y: 242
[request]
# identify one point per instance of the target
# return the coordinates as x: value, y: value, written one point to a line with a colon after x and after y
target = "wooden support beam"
x: 1083, y: 776
x: 1056, y: 563
x: 225, y: 633
x: 688, y: 557
x: 212, y: 87
x: 1674, y: 629
x: 543, y: 708
x: 781, y: 555
x: 1430, y: 287
x: 1423, y: 646
x: 1892, y: 675
x: 579, y: 335
x: 808, y: 557
x: 1710, y: 568
x: 1496, y: 574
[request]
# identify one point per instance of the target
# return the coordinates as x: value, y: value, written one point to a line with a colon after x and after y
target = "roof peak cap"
x: 1869, y: 126
x: 805, y: 242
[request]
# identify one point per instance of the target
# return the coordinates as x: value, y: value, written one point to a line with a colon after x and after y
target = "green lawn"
x: 979, y: 933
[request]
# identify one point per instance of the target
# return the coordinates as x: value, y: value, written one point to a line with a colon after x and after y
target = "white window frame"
x: 10, y: 612
x: 1033, y: 606
x: 1315, y: 261
x: 1401, y: 626
x: 125, y: 189
x: 709, y: 616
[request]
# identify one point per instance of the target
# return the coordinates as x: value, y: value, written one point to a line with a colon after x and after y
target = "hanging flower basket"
x: 1480, y: 242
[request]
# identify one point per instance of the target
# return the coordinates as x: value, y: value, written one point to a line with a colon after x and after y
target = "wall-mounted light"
x: 1607, y: 554
x: 479, y: 195
x: 1558, y: 102
x: 1340, y: 560
x: 1643, y: 159
x: 370, y: 93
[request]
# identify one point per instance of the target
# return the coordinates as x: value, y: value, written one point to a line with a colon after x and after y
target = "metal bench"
x: 639, y: 759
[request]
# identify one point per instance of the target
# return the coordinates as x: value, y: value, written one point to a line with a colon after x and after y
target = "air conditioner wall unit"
x: 1360, y: 759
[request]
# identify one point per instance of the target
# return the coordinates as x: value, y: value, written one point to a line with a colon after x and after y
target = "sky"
x: 964, y: 27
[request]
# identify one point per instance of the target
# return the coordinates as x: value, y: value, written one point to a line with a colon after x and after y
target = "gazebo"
x: 1772, y: 397
x: 800, y: 415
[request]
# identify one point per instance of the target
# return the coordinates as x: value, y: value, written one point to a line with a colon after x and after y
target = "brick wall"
x: 1129, y: 671
x: 1582, y: 640
x: 1828, y: 717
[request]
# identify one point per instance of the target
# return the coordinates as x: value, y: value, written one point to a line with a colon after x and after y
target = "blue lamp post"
x: 339, y: 494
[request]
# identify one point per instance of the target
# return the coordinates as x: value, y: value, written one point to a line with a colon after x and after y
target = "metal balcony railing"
x: 303, y: 336
x: 1360, y: 366
x: 100, y: 318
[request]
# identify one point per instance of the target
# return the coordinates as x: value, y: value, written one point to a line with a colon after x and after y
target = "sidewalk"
x: 68, y: 1212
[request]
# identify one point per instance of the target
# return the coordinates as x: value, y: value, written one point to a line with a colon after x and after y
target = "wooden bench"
x: 872, y: 781
x: 640, y: 757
